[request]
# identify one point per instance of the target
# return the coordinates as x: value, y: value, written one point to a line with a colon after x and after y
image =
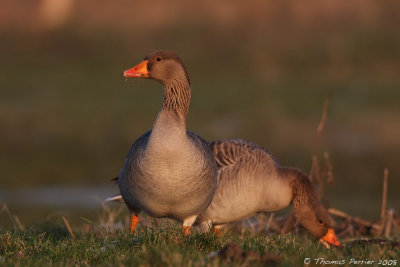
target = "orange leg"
x: 186, y: 230
x: 217, y: 231
x: 133, y: 223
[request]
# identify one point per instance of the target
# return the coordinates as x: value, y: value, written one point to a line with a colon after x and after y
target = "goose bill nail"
x: 138, y: 71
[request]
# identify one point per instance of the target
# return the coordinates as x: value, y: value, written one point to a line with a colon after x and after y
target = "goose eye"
x: 320, y: 222
x: 158, y: 58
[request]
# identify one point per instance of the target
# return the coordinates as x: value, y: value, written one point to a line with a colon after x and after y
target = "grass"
x: 51, y: 244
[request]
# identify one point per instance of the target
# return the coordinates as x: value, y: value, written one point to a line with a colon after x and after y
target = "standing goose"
x: 251, y: 181
x: 168, y: 171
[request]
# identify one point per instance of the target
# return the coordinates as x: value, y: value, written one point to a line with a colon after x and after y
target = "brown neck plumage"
x: 177, y: 96
x: 302, y: 190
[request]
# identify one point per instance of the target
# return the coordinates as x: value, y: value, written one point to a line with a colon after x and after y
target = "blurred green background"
x: 260, y: 71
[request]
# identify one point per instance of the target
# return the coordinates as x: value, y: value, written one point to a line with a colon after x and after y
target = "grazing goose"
x: 168, y: 171
x: 251, y: 181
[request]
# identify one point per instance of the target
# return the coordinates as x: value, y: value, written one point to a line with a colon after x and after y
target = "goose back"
x: 248, y: 182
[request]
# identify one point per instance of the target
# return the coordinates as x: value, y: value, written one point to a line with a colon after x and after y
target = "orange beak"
x: 139, y: 71
x: 330, y: 238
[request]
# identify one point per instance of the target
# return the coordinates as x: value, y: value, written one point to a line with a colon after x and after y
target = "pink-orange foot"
x: 133, y: 222
x: 217, y: 231
x: 186, y: 230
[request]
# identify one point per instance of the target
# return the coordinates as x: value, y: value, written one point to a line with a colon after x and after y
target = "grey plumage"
x: 251, y: 181
x: 169, y: 171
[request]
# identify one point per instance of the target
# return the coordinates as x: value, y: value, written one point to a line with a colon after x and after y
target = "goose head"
x: 318, y: 223
x: 163, y: 66
x: 307, y: 209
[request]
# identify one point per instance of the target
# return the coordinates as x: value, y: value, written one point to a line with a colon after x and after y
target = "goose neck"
x: 302, y: 191
x: 177, y: 97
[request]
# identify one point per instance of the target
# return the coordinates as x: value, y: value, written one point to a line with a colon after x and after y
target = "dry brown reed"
x: 68, y: 227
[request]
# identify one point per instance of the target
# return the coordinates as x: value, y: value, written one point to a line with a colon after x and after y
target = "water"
x: 57, y: 196
x: 38, y: 204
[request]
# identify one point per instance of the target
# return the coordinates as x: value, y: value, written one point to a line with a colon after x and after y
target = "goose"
x: 250, y: 181
x: 169, y: 171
